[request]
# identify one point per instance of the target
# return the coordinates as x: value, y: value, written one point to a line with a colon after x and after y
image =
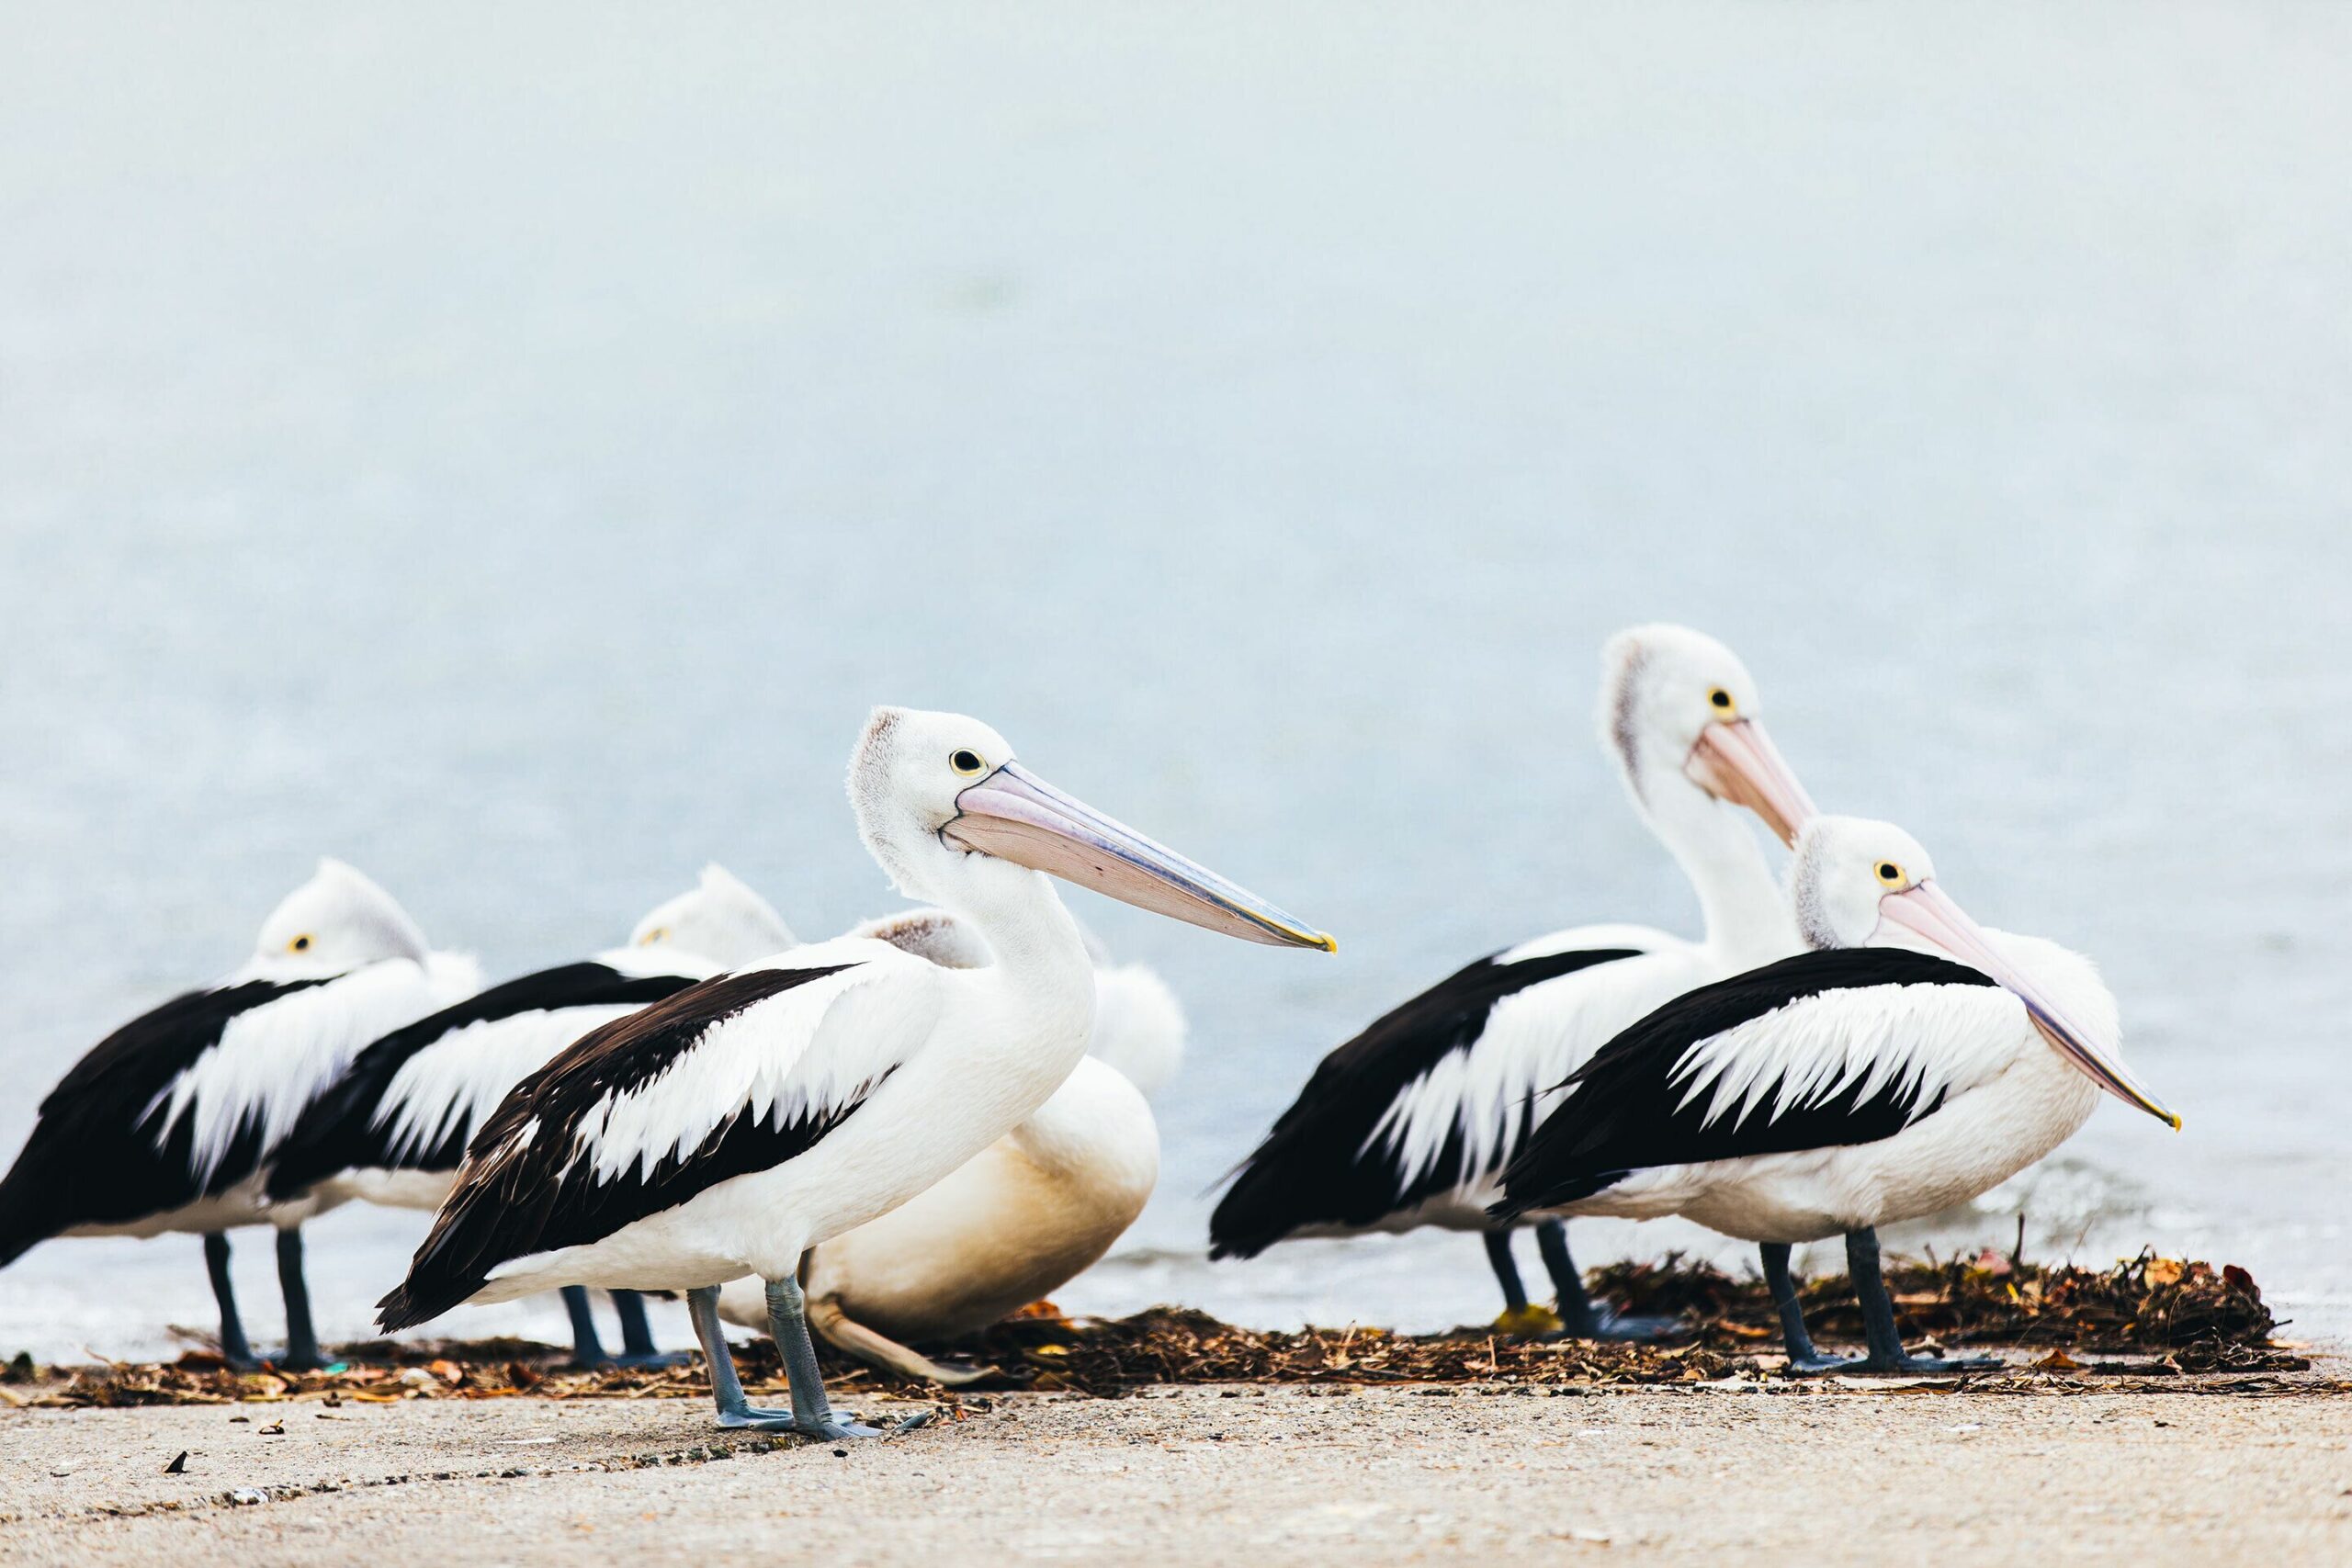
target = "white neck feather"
x: 1745, y: 915
x: 1016, y: 912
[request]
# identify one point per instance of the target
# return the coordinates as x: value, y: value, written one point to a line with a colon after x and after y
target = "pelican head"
x: 719, y: 918
x: 1857, y: 882
x: 940, y: 798
x: 337, y: 921
x: 1676, y: 705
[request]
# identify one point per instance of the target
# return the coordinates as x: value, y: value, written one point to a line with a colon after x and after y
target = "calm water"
x: 512, y: 452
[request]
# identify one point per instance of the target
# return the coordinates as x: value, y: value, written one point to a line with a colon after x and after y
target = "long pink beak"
x: 1736, y: 760
x: 1925, y: 910
x: 1018, y: 817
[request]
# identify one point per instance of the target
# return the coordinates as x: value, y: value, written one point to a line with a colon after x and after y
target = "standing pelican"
x: 1020, y: 1218
x: 1411, y: 1123
x: 394, y: 1128
x: 171, y: 1121
x: 1912, y: 1062
x: 726, y: 1130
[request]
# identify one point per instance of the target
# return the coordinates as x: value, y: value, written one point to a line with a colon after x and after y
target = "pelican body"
x: 172, y: 1121
x: 1412, y: 1121
x: 1025, y: 1215
x: 726, y: 1130
x: 1909, y: 1062
x: 394, y: 1128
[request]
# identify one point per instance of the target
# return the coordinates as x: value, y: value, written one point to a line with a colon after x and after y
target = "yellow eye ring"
x: 1720, y: 700
x: 967, y: 763
x: 658, y: 933
x: 299, y: 944
x: 1890, y: 874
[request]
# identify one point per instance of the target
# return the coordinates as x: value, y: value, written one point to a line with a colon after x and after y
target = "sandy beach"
x: 1804, y: 1475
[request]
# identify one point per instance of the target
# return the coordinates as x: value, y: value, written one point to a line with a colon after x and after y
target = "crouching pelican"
x: 1912, y: 1062
x: 730, y: 1128
x: 1411, y: 1123
x: 394, y: 1128
x: 1022, y: 1217
x: 171, y: 1121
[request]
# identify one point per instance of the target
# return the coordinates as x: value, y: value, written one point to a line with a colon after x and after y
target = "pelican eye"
x: 967, y: 763
x: 658, y: 933
x: 299, y: 944
x: 1721, y: 701
x: 1890, y: 874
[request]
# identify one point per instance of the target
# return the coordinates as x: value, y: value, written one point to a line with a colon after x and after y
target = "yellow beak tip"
x: 2175, y: 1119
x: 1329, y: 942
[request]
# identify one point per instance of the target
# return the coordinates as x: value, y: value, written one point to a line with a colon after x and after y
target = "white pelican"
x: 726, y: 1130
x: 1411, y: 1123
x: 394, y: 1128
x: 169, y: 1124
x: 1912, y: 1062
x: 1022, y: 1217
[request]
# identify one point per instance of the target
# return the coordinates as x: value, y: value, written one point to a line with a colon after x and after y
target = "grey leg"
x: 726, y: 1388
x: 302, y: 1338
x: 234, y: 1348
x: 1579, y: 1318
x: 636, y: 1334
x: 788, y: 1322
x: 1802, y: 1357
x: 587, y: 1350
x: 1518, y: 1316
x: 1878, y: 1316
x: 1506, y: 1267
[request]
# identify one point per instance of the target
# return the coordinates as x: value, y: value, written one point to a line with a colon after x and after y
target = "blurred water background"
x: 510, y: 447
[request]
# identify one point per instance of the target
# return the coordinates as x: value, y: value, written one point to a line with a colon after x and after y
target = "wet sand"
x: 1209, y: 1474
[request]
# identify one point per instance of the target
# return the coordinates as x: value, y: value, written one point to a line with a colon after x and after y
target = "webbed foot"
x: 829, y: 1428
x: 1529, y: 1321
x: 1919, y: 1364
x: 1623, y: 1328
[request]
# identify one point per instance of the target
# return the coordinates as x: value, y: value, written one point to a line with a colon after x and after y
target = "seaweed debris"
x: 2173, y: 1317
x: 2193, y: 1310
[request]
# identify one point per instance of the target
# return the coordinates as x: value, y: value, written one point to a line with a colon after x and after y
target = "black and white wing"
x: 738, y: 1073
x: 413, y: 1100
x: 1821, y: 1050
x: 1408, y: 1110
x: 119, y: 1138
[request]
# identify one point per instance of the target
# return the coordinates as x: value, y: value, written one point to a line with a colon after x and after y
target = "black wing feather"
x: 1314, y: 1168
x: 1626, y: 1113
x: 515, y: 1200
x: 338, y: 1133
x: 94, y: 1157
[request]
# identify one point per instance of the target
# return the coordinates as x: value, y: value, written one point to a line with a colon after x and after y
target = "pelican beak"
x: 1925, y: 910
x: 1735, y: 760
x: 1016, y: 816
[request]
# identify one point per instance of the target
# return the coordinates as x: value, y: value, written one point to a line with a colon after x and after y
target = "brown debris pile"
x: 1174, y: 1345
x: 2176, y: 1316
x: 2146, y: 1303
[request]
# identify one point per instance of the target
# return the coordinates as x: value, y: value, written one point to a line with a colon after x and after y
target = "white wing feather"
x: 1489, y: 1094
x: 800, y: 1055
x: 274, y: 1060
x: 1928, y: 1040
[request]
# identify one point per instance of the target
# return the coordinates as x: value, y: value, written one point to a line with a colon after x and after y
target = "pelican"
x: 1909, y: 1062
x: 170, y: 1122
x: 728, y: 1129
x: 1411, y: 1123
x: 1022, y: 1217
x: 394, y: 1128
